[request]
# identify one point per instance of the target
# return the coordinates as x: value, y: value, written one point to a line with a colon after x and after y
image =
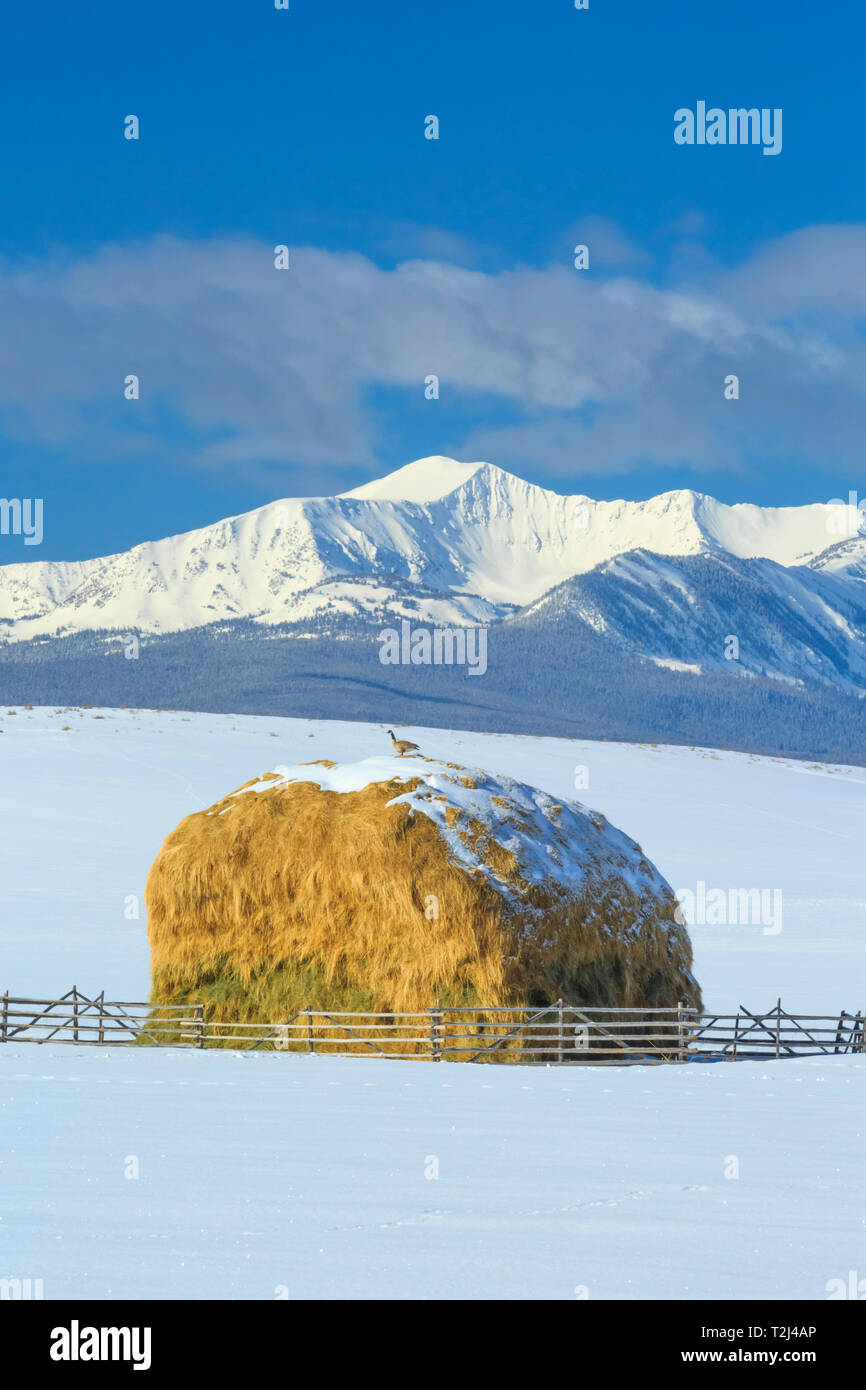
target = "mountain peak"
x: 424, y: 480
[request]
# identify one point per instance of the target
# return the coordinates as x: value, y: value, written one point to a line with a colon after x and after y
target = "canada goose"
x: 402, y: 745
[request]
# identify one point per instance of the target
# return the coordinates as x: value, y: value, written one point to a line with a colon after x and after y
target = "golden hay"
x: 296, y: 895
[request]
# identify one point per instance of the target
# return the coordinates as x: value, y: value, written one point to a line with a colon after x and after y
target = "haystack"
x: 386, y: 887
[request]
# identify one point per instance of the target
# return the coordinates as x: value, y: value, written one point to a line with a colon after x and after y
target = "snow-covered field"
x: 88, y: 797
x: 271, y: 1175
x: 267, y: 1175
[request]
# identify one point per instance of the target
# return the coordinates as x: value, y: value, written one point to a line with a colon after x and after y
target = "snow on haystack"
x: 392, y: 883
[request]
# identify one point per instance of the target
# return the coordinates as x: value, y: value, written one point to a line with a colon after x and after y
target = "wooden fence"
x: 555, y: 1033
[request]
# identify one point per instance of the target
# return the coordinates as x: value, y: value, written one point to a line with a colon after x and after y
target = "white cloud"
x: 257, y: 368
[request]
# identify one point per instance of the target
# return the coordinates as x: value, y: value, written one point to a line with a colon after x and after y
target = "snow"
x: 479, y: 536
x: 84, y: 813
x: 788, y: 535
x: 672, y: 665
x: 275, y: 1175
x: 424, y: 480
x: 847, y: 559
x: 797, y: 624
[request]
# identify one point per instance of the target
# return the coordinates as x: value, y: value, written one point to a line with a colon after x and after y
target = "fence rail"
x: 553, y: 1033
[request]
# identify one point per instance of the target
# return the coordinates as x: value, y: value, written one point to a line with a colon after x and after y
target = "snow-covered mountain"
x: 447, y: 543
x: 845, y: 558
x: 716, y: 611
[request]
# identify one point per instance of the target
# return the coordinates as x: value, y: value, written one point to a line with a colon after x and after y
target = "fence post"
x: 560, y: 1040
x: 680, y: 1037
x: 435, y: 1033
x: 310, y: 1028
x: 75, y: 1013
x: 736, y: 1034
x: 102, y: 1016
x: 199, y: 1022
x: 4, y: 1016
x: 778, y: 1023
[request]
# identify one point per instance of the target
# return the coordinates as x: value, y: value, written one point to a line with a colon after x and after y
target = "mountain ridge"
x: 475, y: 542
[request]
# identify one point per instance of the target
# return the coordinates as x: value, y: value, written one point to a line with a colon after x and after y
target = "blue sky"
x: 411, y: 256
